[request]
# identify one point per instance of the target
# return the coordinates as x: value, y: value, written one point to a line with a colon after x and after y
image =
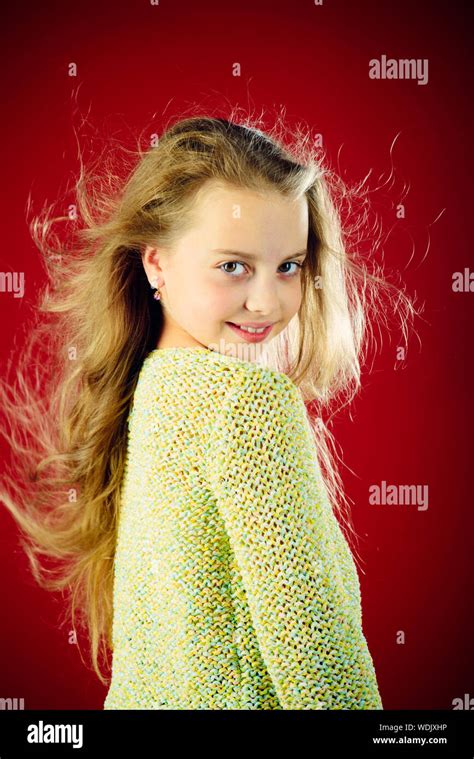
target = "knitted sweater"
x: 234, y: 587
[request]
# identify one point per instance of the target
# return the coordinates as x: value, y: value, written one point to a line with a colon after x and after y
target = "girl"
x: 187, y: 499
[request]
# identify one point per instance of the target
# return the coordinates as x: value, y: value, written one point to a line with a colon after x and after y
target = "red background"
x: 409, y: 425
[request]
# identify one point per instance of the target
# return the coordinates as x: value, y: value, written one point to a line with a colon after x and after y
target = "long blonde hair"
x: 77, y: 370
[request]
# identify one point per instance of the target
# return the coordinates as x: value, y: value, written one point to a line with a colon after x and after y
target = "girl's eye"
x: 293, y: 263
x: 230, y: 263
x: 238, y: 263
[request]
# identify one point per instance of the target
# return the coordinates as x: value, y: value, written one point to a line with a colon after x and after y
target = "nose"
x: 262, y: 296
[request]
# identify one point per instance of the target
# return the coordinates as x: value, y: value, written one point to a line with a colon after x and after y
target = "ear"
x: 152, y: 258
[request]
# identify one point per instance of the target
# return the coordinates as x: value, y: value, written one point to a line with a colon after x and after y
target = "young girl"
x: 210, y: 298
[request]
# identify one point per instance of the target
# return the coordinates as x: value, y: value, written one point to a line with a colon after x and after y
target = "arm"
x: 269, y: 491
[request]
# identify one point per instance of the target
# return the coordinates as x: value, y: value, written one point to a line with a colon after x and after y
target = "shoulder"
x: 262, y: 425
x: 259, y: 393
x: 260, y: 380
x: 216, y: 385
x: 261, y: 421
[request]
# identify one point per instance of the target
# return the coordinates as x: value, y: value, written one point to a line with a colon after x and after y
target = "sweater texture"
x: 234, y: 586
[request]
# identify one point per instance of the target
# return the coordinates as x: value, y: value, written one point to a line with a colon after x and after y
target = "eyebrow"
x: 252, y: 256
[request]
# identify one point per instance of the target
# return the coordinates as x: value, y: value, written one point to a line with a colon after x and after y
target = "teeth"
x: 251, y: 329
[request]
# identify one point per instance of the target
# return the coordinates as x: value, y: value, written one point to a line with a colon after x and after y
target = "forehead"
x: 216, y: 193
x: 245, y: 219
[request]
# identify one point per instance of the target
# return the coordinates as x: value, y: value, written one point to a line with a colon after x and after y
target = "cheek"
x: 294, y: 298
x: 220, y: 300
x: 205, y: 300
x: 221, y: 304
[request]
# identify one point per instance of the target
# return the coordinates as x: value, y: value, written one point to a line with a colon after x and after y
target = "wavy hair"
x: 96, y: 320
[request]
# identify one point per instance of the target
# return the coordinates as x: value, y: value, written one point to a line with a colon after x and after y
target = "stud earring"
x: 154, y: 284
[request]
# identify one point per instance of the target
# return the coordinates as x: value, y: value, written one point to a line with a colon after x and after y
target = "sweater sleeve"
x: 293, y: 559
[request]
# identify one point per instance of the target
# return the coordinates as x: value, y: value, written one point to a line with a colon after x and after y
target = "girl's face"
x: 238, y: 265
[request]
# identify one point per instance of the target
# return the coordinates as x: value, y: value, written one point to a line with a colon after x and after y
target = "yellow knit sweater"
x: 234, y: 587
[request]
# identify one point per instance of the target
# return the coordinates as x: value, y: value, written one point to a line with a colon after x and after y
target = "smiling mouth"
x: 251, y: 334
x: 252, y: 330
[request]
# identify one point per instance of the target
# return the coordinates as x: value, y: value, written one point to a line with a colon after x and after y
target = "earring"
x: 154, y: 284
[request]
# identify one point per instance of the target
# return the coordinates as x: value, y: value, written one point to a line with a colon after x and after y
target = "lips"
x: 250, y: 337
x: 254, y: 325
